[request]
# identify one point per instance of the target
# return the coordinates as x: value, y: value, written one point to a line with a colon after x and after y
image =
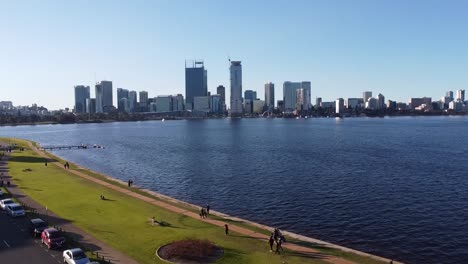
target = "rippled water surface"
x: 396, y: 187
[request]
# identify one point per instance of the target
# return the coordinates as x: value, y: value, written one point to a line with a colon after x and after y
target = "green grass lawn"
x: 123, y: 222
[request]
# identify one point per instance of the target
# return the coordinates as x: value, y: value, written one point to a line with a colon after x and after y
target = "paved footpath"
x: 78, y: 234
x: 233, y: 228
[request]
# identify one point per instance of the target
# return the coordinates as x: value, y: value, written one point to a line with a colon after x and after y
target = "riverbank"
x: 136, y: 205
x: 104, y: 121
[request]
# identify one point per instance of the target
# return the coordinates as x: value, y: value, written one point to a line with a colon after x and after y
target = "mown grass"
x: 123, y: 222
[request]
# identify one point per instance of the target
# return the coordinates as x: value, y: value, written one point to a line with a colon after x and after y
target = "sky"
x: 399, y: 48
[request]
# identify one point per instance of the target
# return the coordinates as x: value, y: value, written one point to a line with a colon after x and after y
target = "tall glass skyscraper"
x: 195, y: 82
x: 103, y: 96
x: 236, y: 88
x: 81, y: 94
x: 290, y: 95
x: 270, y: 95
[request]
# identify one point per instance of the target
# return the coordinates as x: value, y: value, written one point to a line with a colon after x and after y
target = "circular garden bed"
x: 190, y: 251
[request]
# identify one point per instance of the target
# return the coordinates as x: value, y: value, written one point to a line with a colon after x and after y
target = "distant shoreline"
x: 99, y: 121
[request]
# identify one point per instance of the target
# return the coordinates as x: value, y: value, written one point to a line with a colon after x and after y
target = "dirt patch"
x: 190, y: 252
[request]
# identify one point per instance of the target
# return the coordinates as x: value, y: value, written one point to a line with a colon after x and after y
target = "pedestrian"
x: 202, y: 212
x: 128, y: 183
x: 278, y: 246
x: 207, y: 209
x: 46, y: 163
x: 276, y: 234
x: 226, y: 229
x: 271, y: 241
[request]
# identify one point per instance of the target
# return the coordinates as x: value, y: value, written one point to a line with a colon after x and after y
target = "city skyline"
x: 49, y: 48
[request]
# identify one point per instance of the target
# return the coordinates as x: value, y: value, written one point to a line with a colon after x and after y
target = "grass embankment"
x: 122, y: 221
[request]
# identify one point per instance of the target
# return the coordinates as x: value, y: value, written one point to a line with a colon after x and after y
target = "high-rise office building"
x: 339, y: 106
x: 461, y: 95
x: 121, y: 94
x: 449, y: 94
x: 104, y: 96
x: 250, y: 95
x: 132, y: 101
x: 178, y: 102
x: 81, y: 94
x: 143, y: 101
x: 366, y: 96
x: 270, y: 95
x: 195, y: 81
x: 236, y: 88
x: 290, y: 95
x: 91, y: 105
x: 221, y: 90
x: 318, y: 102
x: 143, y: 97
x: 381, y: 99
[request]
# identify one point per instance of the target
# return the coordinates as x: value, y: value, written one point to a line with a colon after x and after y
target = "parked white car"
x: 5, y: 202
x: 75, y: 256
x: 15, y: 210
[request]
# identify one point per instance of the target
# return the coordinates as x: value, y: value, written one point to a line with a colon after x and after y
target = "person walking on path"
x: 271, y: 241
x: 226, y: 229
x: 278, y: 246
x: 207, y: 209
x: 202, y: 213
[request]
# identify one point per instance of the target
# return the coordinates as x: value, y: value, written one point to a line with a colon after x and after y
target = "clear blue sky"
x: 399, y: 48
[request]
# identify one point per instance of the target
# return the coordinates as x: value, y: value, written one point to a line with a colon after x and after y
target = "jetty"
x: 59, y: 147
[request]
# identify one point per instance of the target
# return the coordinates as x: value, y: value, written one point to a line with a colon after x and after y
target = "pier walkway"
x: 233, y: 228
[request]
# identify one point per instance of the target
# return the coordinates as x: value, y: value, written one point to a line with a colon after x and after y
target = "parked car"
x: 4, y: 202
x: 52, y: 238
x: 36, y: 226
x: 75, y: 256
x: 15, y: 210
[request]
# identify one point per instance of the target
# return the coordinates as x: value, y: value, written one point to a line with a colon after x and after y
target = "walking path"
x: 78, y: 234
x: 244, y: 231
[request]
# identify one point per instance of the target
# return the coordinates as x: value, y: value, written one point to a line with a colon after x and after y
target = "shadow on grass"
x: 166, y: 224
x: 250, y: 237
x: 306, y: 254
x: 309, y: 244
x: 32, y: 189
x: 29, y: 159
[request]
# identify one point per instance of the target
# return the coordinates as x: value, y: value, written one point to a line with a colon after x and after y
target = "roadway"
x: 17, y: 246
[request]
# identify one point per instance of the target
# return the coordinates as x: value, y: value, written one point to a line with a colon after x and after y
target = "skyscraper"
x: 195, y: 81
x: 121, y: 94
x: 132, y: 101
x: 461, y: 95
x: 250, y: 95
x: 290, y: 95
x: 270, y: 95
x: 449, y: 94
x: 381, y: 99
x: 236, y: 88
x: 81, y: 94
x: 143, y: 101
x: 91, y: 105
x: 103, y: 96
x: 221, y: 90
x: 339, y: 106
x: 143, y: 97
x: 366, y: 96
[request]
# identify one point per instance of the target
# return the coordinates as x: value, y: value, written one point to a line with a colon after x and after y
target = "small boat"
x: 162, y: 120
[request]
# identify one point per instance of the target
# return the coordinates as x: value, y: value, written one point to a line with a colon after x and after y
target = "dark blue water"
x: 396, y: 187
